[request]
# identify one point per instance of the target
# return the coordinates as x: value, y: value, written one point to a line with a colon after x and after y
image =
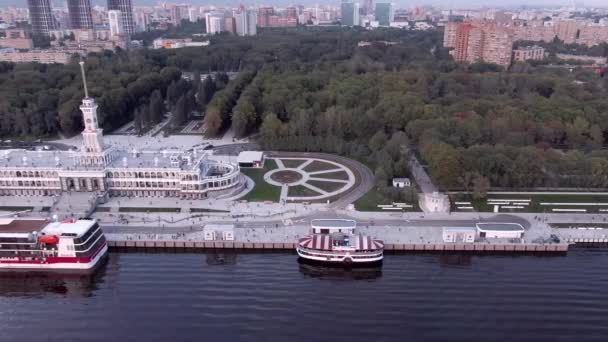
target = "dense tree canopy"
x: 313, y: 89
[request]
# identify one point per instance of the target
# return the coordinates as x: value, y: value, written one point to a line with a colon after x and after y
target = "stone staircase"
x: 76, y: 204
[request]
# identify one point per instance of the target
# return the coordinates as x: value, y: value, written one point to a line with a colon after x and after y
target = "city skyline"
x: 398, y: 3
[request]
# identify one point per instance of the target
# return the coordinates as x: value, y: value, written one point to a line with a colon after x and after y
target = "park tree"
x: 481, y: 185
x: 179, y: 114
x: 157, y: 107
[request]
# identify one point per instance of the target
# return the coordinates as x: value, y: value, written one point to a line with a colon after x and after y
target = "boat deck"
x: 21, y: 226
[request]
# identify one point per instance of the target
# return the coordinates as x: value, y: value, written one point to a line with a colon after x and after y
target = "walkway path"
x: 430, y: 200
x: 304, y: 178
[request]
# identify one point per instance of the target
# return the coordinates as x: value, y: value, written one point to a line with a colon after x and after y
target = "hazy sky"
x: 400, y: 3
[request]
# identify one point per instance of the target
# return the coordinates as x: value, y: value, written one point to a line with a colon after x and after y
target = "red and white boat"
x: 37, y: 244
x: 335, y: 242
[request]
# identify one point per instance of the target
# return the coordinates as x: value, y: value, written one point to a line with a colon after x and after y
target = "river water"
x: 271, y: 297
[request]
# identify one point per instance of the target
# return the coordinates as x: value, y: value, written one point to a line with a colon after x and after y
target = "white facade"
x: 246, y: 22
x: 459, y: 234
x: 105, y: 170
x: 193, y: 14
x: 401, y: 182
x: 214, y: 22
x: 500, y: 230
x: 253, y: 159
x: 115, y: 21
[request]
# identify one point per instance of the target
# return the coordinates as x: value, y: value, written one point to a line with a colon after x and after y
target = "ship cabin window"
x: 87, y: 234
x: 90, y: 242
x: 324, y: 231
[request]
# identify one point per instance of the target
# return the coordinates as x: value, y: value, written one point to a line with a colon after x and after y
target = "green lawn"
x: 319, y: 166
x: 333, y: 175
x: 373, y: 198
x: 148, y: 209
x: 206, y: 210
x: 327, y: 186
x: 301, y: 191
x: 16, y: 208
x: 292, y: 163
x: 262, y: 190
x: 534, y: 207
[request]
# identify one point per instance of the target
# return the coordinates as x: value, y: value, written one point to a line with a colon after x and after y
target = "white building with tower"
x: 109, y: 171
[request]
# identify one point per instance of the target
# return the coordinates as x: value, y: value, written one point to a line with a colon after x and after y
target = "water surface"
x: 270, y: 297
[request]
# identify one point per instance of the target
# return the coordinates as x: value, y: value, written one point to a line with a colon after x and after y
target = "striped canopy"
x: 366, y: 243
x: 319, y: 241
x: 325, y: 242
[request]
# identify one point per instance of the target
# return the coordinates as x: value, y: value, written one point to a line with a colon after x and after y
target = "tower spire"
x: 84, y: 80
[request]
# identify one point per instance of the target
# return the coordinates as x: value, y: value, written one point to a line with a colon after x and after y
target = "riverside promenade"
x: 400, y: 232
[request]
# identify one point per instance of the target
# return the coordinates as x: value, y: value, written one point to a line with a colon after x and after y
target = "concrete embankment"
x: 262, y: 246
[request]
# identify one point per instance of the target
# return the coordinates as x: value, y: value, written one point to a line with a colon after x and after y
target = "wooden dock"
x: 431, y: 247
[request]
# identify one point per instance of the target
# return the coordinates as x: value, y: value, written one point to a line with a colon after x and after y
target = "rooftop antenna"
x: 84, y: 79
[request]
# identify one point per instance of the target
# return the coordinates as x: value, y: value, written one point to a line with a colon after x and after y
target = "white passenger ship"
x: 335, y: 242
x: 37, y: 244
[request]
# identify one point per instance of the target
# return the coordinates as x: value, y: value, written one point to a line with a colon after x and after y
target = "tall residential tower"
x: 126, y: 9
x: 41, y: 16
x: 80, y: 14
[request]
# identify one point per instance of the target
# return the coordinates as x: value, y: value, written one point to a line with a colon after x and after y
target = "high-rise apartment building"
x: 474, y: 41
x: 80, y: 14
x: 126, y: 10
x: 230, y: 25
x: 350, y: 13
x: 384, y: 13
x: 368, y: 7
x: 115, y: 20
x: 246, y: 22
x: 291, y: 12
x: 142, y: 20
x: 264, y: 14
x: 214, y: 22
x: 567, y: 30
x: 41, y: 16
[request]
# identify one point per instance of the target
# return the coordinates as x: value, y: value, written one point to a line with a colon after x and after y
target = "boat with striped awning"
x: 340, y: 246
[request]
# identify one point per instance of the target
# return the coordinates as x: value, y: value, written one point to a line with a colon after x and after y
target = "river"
x: 271, y: 297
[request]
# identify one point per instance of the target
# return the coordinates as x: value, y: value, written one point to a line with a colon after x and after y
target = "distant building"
x: 214, y: 22
x: 80, y: 14
x: 350, y: 13
x: 230, y: 25
x: 142, y: 20
x: 215, y: 25
x: 38, y: 56
x: 164, y: 43
x: 525, y: 53
x: 16, y: 39
x: 264, y: 14
x: 246, y: 22
x: 254, y: 159
x: 126, y: 10
x: 401, y: 183
x: 601, y: 61
x: 193, y: 14
x: 368, y: 7
x: 384, y: 13
x: 116, y: 24
x: 473, y: 41
x: 41, y: 16
x: 291, y: 12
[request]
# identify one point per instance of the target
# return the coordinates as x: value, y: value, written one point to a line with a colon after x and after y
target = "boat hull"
x: 57, y: 264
